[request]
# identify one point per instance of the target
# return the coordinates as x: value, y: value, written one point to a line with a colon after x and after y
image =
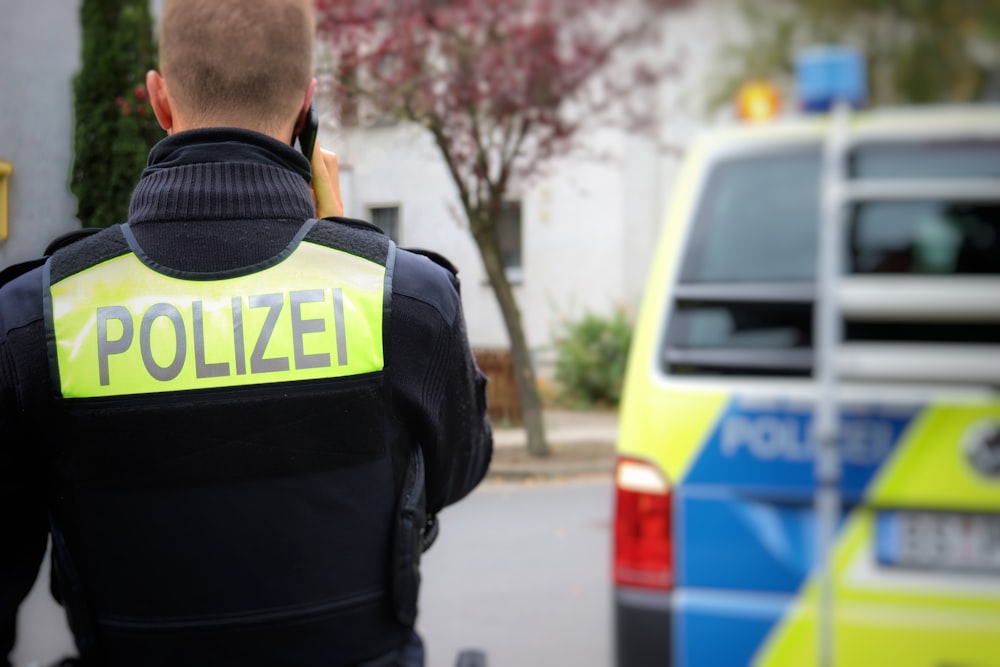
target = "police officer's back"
x: 233, y: 419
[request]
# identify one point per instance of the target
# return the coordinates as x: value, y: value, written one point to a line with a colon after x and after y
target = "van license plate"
x: 939, y: 540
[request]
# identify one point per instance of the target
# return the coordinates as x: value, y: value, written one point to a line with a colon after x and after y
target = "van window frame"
x: 678, y: 290
x: 781, y: 364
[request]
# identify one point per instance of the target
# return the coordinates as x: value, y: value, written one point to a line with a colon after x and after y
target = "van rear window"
x: 740, y: 337
x: 757, y: 221
x: 744, y: 300
x: 925, y: 237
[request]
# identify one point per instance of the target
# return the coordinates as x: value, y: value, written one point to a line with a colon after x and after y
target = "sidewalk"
x: 582, y: 443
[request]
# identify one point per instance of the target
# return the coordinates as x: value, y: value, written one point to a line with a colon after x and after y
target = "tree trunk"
x: 531, y: 404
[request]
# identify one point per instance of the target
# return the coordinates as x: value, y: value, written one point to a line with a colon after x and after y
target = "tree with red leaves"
x: 502, y: 86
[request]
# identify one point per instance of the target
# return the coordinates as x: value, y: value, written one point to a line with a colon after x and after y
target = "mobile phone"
x: 307, y: 137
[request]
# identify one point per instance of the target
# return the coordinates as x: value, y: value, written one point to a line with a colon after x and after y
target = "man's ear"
x: 300, y: 122
x: 159, y: 99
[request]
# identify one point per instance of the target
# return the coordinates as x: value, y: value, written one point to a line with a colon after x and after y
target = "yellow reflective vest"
x: 125, y: 326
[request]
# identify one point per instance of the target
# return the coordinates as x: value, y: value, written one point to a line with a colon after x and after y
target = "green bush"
x: 590, y: 359
x: 115, y: 127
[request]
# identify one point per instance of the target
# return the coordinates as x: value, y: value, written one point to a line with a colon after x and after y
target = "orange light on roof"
x: 758, y: 101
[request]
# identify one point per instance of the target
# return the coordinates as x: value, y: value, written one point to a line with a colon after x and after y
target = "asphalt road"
x: 520, y: 570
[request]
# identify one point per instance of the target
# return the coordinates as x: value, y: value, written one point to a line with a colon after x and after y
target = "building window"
x: 6, y: 169
x: 509, y: 231
x: 386, y: 218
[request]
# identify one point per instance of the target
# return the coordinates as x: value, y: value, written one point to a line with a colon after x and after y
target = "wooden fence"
x: 501, y: 392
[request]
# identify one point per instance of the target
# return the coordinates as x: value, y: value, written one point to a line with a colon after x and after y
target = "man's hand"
x: 326, y: 183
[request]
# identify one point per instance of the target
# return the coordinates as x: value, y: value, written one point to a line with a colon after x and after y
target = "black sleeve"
x: 22, y: 507
x: 437, y: 387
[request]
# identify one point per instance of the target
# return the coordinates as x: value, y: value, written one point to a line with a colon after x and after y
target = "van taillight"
x: 643, y: 536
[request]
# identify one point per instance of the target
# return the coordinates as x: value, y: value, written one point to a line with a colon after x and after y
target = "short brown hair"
x: 238, y: 62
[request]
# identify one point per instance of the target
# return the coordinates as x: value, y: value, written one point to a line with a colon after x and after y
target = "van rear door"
x: 915, y: 561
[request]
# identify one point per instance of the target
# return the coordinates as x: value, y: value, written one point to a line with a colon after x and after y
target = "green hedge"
x: 591, y: 354
x: 115, y: 127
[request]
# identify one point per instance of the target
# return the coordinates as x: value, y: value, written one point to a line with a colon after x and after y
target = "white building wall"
x: 39, y: 52
x: 572, y: 232
x: 399, y: 165
x: 573, y: 236
x: 588, y: 229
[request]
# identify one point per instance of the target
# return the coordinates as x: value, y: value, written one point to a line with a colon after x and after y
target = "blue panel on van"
x: 766, y: 447
x: 743, y: 544
x: 716, y: 628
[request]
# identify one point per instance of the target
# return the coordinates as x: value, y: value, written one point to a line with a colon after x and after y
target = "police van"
x: 808, y: 462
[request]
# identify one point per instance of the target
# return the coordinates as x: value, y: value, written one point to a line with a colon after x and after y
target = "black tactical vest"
x: 230, y: 485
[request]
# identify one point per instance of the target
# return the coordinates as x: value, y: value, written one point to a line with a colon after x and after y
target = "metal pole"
x: 828, y: 331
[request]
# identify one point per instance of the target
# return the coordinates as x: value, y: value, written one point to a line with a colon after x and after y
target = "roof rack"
x: 904, y: 299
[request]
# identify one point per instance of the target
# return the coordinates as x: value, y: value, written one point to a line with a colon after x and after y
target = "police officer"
x: 234, y: 420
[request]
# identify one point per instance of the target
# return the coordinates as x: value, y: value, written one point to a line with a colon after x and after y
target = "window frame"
x: 795, y: 363
x: 370, y: 212
x: 750, y: 364
x: 515, y: 273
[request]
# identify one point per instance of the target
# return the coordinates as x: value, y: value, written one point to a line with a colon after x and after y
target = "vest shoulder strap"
x: 362, y: 240
x: 76, y: 251
x: 14, y: 270
x: 11, y: 272
x: 70, y: 238
x: 435, y: 257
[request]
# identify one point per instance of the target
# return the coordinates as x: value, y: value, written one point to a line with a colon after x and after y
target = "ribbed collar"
x: 222, y: 174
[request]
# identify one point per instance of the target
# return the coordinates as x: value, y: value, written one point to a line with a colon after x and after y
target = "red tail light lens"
x: 643, y: 532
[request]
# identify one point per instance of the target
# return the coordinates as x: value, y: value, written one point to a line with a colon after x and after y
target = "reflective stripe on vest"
x: 122, y: 328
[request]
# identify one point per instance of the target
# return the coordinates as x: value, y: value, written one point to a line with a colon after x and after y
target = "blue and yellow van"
x: 717, y: 559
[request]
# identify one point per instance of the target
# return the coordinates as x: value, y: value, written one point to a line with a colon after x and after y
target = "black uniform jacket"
x: 210, y: 522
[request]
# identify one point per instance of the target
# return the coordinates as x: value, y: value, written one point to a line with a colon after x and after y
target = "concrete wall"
x: 39, y: 52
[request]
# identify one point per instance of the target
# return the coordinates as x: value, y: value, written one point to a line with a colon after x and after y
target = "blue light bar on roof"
x: 826, y: 74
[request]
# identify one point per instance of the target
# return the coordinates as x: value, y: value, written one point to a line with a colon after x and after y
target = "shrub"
x: 115, y: 127
x: 591, y: 354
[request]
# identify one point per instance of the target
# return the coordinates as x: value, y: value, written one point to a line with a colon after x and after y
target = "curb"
x: 565, y: 461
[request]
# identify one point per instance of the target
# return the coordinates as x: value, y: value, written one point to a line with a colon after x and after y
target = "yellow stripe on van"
x: 894, y: 616
x: 671, y: 428
x: 661, y: 424
x: 935, y: 469
x: 886, y: 620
